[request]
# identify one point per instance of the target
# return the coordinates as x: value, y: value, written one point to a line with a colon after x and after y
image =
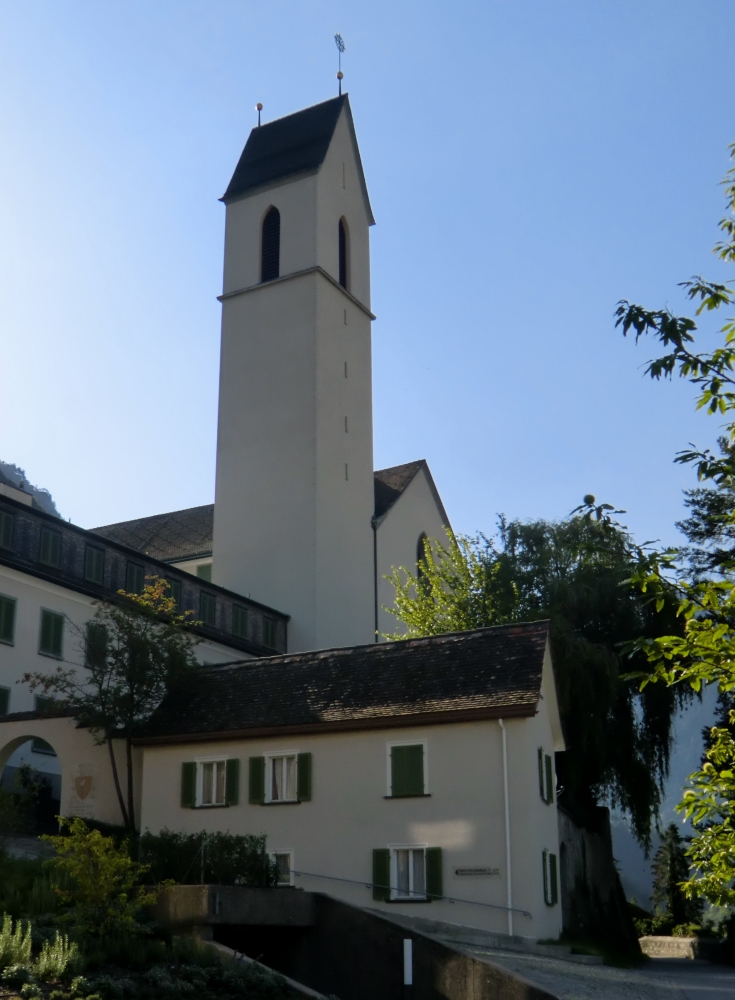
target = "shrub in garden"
x: 15, y: 943
x: 58, y: 959
x: 219, y: 858
x: 102, y: 890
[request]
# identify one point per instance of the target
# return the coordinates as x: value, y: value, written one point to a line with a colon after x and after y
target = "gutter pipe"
x: 509, y: 881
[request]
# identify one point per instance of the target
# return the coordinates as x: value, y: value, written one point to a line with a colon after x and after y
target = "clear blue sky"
x: 529, y: 163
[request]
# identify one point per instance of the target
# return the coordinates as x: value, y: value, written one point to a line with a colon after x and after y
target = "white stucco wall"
x: 32, y: 594
x: 349, y: 815
x: 87, y: 787
x: 294, y: 486
x: 416, y: 512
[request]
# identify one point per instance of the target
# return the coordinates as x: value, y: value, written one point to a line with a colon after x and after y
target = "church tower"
x: 294, y: 487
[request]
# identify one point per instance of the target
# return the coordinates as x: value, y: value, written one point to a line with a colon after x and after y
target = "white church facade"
x: 298, y: 702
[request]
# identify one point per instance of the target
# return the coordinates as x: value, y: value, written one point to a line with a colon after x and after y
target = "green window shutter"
x: 7, y: 619
x: 545, y: 864
x: 407, y: 770
x: 232, y: 781
x: 541, y: 774
x: 6, y: 530
x: 94, y: 564
x: 204, y: 572
x: 269, y: 632
x: 207, y: 609
x: 303, y: 777
x: 4, y: 700
x: 173, y: 591
x: 239, y: 621
x: 554, y: 880
x: 52, y: 633
x: 381, y: 874
x: 434, y: 882
x: 96, y: 645
x: 134, y: 578
x: 549, y: 763
x: 49, y: 552
x: 188, y: 785
x: 256, y: 782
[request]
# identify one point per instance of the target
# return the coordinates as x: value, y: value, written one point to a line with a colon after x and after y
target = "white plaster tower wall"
x: 294, y: 486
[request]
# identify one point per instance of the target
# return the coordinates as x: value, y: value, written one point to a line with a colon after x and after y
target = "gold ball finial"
x: 340, y: 75
x: 258, y: 106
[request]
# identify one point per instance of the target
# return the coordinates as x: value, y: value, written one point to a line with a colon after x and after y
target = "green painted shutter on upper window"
x: 407, y: 770
x: 6, y: 530
x: 545, y: 864
x: 4, y: 700
x: 52, y: 633
x: 232, y: 781
x: 256, y: 781
x: 554, y: 880
x: 269, y: 632
x: 381, y: 874
x: 173, y: 591
x: 96, y: 645
x: 549, y: 764
x: 204, y: 572
x: 134, y: 578
x: 207, y: 608
x: 94, y: 564
x: 303, y: 777
x: 188, y: 785
x: 7, y: 619
x: 49, y: 552
x: 541, y: 774
x: 434, y: 881
x: 239, y: 621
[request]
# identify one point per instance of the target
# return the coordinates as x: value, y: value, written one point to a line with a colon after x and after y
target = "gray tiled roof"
x: 487, y: 673
x: 180, y: 534
x: 187, y: 534
x: 286, y: 146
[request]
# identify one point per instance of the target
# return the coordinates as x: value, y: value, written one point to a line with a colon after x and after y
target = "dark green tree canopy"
x: 573, y: 572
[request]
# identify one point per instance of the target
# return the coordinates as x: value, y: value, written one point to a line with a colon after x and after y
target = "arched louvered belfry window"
x: 270, y: 245
x: 344, y: 253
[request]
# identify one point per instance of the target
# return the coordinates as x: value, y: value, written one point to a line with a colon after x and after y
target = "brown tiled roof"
x: 187, y: 534
x: 487, y: 673
x: 181, y: 534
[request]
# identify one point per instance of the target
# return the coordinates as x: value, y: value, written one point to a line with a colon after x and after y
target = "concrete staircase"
x: 478, y: 941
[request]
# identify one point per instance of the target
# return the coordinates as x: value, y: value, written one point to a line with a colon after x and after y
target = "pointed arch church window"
x: 270, y: 245
x: 343, y: 253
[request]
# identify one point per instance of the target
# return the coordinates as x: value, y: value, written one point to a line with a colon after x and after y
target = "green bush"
x: 58, y: 959
x: 218, y: 858
x: 26, y: 890
x: 15, y: 943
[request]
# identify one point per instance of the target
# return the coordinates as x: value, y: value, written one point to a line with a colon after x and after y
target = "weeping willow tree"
x: 572, y: 572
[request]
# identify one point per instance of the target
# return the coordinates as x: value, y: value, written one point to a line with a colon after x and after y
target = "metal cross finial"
x: 339, y: 42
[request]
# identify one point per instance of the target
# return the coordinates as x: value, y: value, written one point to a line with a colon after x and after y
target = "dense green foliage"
x: 574, y: 573
x: 218, y: 858
x: 132, y: 653
x: 99, y: 883
x: 703, y: 583
x: 670, y: 869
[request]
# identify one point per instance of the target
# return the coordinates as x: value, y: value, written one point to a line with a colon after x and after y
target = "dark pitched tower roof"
x: 288, y: 146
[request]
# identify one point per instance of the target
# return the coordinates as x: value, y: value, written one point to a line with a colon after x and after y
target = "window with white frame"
x: 211, y: 782
x: 281, y: 777
x: 408, y: 872
x: 284, y: 866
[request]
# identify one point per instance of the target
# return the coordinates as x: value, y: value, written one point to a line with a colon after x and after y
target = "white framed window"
x: 211, y: 782
x: 281, y: 776
x: 407, y: 769
x: 408, y: 871
x: 284, y: 866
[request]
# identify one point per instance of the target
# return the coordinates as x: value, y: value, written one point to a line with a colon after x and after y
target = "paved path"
x: 659, y: 979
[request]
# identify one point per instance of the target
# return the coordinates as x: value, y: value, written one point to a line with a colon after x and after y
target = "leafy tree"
x: 573, y: 572
x: 133, y: 652
x: 670, y: 868
x: 100, y: 884
x: 704, y: 652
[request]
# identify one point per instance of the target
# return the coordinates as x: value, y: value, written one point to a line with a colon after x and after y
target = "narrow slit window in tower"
x: 343, y: 262
x: 270, y: 246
